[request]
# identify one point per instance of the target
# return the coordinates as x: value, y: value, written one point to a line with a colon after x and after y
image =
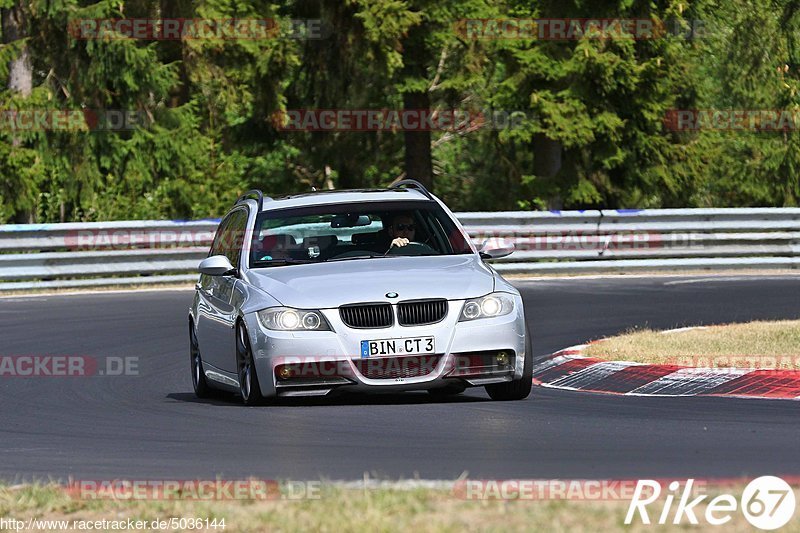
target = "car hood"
x: 327, y: 285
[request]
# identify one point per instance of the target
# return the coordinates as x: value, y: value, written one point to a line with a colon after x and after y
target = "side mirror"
x: 495, y: 249
x: 216, y: 265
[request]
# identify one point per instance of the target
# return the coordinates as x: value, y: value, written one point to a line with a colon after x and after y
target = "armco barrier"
x: 149, y: 252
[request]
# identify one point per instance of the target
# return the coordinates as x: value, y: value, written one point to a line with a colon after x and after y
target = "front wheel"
x: 518, y: 389
x: 248, y: 378
x: 199, y: 383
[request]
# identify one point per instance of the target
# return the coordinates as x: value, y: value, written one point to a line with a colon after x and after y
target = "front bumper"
x: 322, y: 361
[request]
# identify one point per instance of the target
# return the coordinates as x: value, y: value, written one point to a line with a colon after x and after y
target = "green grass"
x: 754, y: 344
x: 345, y: 510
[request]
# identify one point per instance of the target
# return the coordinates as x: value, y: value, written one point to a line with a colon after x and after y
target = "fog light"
x: 284, y: 372
x: 502, y: 359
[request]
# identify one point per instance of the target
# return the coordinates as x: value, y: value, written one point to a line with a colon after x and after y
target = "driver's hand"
x: 399, y: 242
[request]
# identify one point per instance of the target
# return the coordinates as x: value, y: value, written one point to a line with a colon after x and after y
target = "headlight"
x: 491, y: 305
x: 288, y: 319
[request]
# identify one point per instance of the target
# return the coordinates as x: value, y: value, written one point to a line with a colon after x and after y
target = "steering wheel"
x: 412, y: 248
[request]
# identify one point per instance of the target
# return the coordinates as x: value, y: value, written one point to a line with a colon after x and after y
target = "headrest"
x: 274, y: 241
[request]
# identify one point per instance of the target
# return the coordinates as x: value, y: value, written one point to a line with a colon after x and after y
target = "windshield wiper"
x: 352, y: 257
x: 282, y: 262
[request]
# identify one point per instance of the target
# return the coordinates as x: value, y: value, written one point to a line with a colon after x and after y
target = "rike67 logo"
x: 767, y: 502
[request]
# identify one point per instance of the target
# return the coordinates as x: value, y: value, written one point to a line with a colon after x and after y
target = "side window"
x: 230, y: 236
x: 236, y: 233
x: 219, y: 237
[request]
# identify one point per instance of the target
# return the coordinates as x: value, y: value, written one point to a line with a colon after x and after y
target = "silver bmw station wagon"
x: 357, y: 290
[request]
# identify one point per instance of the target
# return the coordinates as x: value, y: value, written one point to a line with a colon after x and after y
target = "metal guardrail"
x: 149, y: 252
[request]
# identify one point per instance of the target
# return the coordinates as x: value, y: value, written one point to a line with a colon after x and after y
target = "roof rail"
x: 412, y: 184
x: 259, y: 197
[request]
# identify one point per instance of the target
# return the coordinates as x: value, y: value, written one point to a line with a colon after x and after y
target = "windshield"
x: 342, y: 232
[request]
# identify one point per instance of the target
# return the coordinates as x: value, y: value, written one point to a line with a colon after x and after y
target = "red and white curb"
x: 569, y: 369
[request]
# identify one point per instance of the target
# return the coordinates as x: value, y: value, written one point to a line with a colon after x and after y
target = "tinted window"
x: 237, y: 232
x: 216, y: 246
x: 230, y: 236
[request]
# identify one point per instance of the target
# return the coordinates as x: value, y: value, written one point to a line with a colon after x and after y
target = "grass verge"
x: 339, y: 509
x: 760, y: 344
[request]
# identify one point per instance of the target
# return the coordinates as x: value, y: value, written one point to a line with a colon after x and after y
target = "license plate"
x: 410, y: 345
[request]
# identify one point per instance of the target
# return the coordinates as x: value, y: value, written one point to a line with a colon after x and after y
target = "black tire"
x: 450, y: 390
x: 199, y: 383
x: 518, y: 389
x: 249, y: 387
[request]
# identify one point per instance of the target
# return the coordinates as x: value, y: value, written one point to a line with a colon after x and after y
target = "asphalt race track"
x: 151, y: 426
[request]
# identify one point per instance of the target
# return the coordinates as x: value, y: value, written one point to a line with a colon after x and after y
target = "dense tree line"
x: 599, y: 111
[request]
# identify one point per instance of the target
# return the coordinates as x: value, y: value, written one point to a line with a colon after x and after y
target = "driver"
x: 402, y: 230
